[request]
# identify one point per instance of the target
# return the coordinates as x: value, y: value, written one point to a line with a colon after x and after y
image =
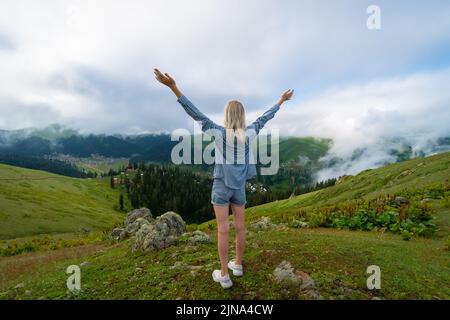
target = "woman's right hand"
x: 165, y: 78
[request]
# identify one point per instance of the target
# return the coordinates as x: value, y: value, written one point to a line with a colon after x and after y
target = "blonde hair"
x: 234, y: 120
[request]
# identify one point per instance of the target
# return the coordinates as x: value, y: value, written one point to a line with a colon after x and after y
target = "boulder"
x: 401, y: 200
x: 132, y: 216
x: 160, y: 233
x: 197, y: 237
x: 263, y: 224
x: 286, y: 274
x: 174, y: 222
x: 118, y: 234
x: 133, y: 227
x: 298, y: 224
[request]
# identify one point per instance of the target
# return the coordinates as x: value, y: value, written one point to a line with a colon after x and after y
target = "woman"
x: 230, y: 175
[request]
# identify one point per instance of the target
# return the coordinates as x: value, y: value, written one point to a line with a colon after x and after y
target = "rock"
x: 376, y: 298
x: 401, y: 200
x: 286, y: 274
x: 190, y: 248
x: 178, y: 265
x: 20, y: 286
x: 194, y: 267
x: 133, y: 222
x: 313, y: 294
x: 119, y: 234
x: 263, y: 224
x: 138, y: 213
x: 159, y: 234
x: 28, y: 292
x: 426, y: 200
x: 298, y: 224
x: 174, y: 222
x: 85, y: 230
x: 305, y: 280
x: 133, y: 227
x: 197, y: 237
x: 85, y: 264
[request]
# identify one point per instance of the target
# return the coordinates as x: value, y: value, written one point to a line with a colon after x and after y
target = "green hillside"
x: 35, y: 202
x: 412, y: 175
x: 292, y: 148
x: 336, y: 259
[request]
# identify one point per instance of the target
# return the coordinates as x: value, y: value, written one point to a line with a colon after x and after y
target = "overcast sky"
x: 88, y: 64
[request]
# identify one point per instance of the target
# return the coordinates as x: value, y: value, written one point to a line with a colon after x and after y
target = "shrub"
x: 406, y: 235
x: 445, y: 202
x: 317, y: 219
x: 411, y: 218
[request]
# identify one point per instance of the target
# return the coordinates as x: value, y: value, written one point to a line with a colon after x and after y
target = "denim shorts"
x: 222, y: 195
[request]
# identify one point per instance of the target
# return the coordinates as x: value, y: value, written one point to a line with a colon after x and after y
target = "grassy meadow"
x: 337, y: 259
x: 34, y: 203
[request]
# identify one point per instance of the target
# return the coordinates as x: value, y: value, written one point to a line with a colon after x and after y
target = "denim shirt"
x: 236, y: 171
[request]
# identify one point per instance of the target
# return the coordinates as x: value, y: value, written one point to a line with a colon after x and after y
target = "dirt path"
x: 12, y: 267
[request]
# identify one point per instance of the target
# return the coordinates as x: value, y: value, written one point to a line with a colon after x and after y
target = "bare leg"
x: 222, y: 236
x: 239, y: 225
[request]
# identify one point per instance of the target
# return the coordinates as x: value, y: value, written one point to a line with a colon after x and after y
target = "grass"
x: 102, y: 165
x: 336, y: 259
x: 34, y: 202
x: 410, y: 175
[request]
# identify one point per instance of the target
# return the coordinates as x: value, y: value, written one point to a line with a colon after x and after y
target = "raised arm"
x: 269, y: 114
x: 168, y: 81
x: 187, y: 105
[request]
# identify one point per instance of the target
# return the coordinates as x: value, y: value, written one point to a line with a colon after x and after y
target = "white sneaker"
x: 237, y: 269
x: 224, y: 281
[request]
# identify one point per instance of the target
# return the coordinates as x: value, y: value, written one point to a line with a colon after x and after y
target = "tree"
x: 121, y: 202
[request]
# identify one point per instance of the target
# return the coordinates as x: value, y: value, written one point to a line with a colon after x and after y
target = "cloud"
x: 5, y: 43
x: 88, y: 64
x: 372, y: 117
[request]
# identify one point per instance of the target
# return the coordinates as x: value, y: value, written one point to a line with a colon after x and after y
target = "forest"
x: 163, y: 188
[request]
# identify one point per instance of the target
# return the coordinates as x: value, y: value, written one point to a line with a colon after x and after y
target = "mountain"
x: 337, y: 260
x: 304, y: 161
x: 51, y: 133
x: 157, y: 147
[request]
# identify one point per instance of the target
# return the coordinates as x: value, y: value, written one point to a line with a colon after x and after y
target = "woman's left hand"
x: 286, y: 96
